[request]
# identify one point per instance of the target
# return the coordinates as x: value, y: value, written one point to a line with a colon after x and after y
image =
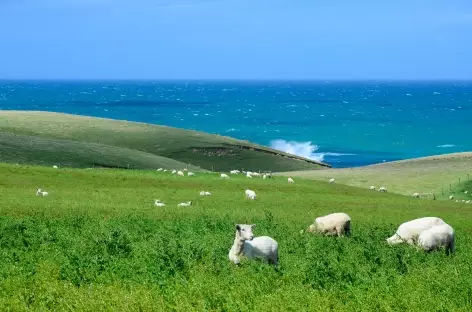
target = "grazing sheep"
x: 335, y: 223
x: 224, y: 176
x: 185, y: 169
x: 180, y: 173
x: 436, y: 237
x: 416, y: 195
x: 382, y: 189
x: 158, y: 203
x: 467, y: 202
x: 451, y: 197
x: 165, y: 170
x: 174, y: 171
x: 189, y: 174
x: 160, y: 169
x: 186, y: 204
x: 234, y: 171
x: 457, y: 200
x: 409, y: 231
x: 204, y: 193
x: 263, y: 247
x: 372, y: 188
x: 41, y: 193
x: 331, y: 180
x: 55, y: 167
x: 250, y: 194
x: 290, y: 180
x: 256, y: 174
x: 248, y: 174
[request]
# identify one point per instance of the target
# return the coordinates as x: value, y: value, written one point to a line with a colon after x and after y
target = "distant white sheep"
x: 224, y: 176
x: 165, y: 170
x: 158, y: 203
x: 256, y: 174
x: 189, y: 174
x: 250, y: 194
x: 382, y: 189
x: 408, y: 232
x: 466, y: 192
x: 55, y: 167
x: 372, y: 188
x: 248, y: 175
x: 185, y: 204
x: 467, y: 202
x: 245, y: 244
x: 174, y: 171
x: 264, y: 177
x: 234, y: 171
x: 185, y: 169
x: 160, y: 169
x: 451, y: 197
x: 331, y: 180
x: 338, y: 223
x: 290, y: 180
x: 180, y: 173
x: 39, y: 192
x: 436, y: 237
x: 204, y: 193
x: 416, y: 195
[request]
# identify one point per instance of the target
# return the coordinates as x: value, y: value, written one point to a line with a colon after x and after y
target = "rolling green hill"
x: 96, y: 243
x: 68, y: 134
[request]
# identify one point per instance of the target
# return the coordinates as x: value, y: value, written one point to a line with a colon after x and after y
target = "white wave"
x: 446, y: 145
x: 303, y: 149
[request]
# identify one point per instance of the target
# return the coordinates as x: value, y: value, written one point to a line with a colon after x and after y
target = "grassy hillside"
x: 189, y: 147
x: 433, y: 174
x: 98, y: 243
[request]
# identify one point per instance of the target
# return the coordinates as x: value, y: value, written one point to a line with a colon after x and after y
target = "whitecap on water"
x: 446, y: 145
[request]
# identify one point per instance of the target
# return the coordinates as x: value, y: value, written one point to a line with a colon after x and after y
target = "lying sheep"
x: 382, y: 189
x: 55, y: 167
x: 41, y: 193
x: 224, y: 176
x: 204, y: 193
x: 409, y: 231
x: 250, y: 194
x: 186, y: 204
x: 416, y: 195
x: 189, y: 174
x: 372, y: 188
x: 263, y: 247
x: 335, y: 223
x: 158, y: 203
x: 436, y: 237
x: 290, y: 180
x: 331, y: 180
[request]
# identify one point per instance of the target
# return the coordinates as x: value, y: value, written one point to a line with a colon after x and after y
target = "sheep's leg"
x: 410, y: 242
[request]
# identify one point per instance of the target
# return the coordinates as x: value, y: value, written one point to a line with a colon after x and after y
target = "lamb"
x: 39, y: 192
x: 436, y: 237
x: 416, y: 195
x: 180, y: 173
x: 409, y: 231
x: 382, y: 189
x: 204, y: 193
x: 250, y: 194
x: 331, y: 180
x: 189, y: 174
x: 372, y: 188
x: 158, y: 203
x: 290, y: 180
x: 335, y: 223
x: 186, y: 204
x: 451, y: 197
x: 224, y: 176
x: 263, y: 247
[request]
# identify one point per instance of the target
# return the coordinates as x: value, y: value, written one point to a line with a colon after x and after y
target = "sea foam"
x: 303, y: 149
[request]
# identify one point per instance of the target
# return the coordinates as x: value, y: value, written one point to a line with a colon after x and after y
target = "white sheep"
x: 263, y: 247
x: 382, y: 189
x: 204, y: 193
x: 331, y: 180
x: 290, y: 180
x: 416, y: 195
x: 189, y: 174
x: 39, y: 192
x: 256, y: 174
x: 248, y: 174
x: 174, y: 171
x: 185, y: 169
x: 451, y: 197
x: 165, y: 170
x: 234, y: 171
x: 372, y: 188
x: 465, y: 192
x: 158, y: 203
x: 250, y: 194
x: 335, y: 223
x: 224, y: 176
x: 264, y: 177
x: 180, y: 173
x: 409, y: 231
x: 55, y: 167
x: 467, y: 202
x: 186, y: 204
x: 160, y: 169
x: 436, y: 237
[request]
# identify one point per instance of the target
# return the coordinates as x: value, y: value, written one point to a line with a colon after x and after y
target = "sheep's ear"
x: 238, y: 227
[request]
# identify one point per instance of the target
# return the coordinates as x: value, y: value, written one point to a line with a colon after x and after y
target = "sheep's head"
x: 395, y: 239
x: 245, y: 231
x: 312, y: 228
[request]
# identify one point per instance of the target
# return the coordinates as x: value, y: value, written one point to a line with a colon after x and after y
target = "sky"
x: 235, y: 39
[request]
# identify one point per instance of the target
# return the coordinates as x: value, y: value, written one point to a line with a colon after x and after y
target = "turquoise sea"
x: 342, y: 123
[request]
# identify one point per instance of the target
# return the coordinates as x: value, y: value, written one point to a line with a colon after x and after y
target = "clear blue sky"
x: 236, y: 39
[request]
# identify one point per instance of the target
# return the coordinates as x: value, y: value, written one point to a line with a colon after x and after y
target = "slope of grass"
x: 435, y: 174
x: 97, y: 243
x: 190, y: 147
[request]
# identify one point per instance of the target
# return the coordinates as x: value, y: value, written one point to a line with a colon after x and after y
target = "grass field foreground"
x: 98, y: 243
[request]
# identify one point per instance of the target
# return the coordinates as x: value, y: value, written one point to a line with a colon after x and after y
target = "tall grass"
x: 97, y: 243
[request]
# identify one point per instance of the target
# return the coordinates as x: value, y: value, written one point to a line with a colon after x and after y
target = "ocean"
x: 344, y: 124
